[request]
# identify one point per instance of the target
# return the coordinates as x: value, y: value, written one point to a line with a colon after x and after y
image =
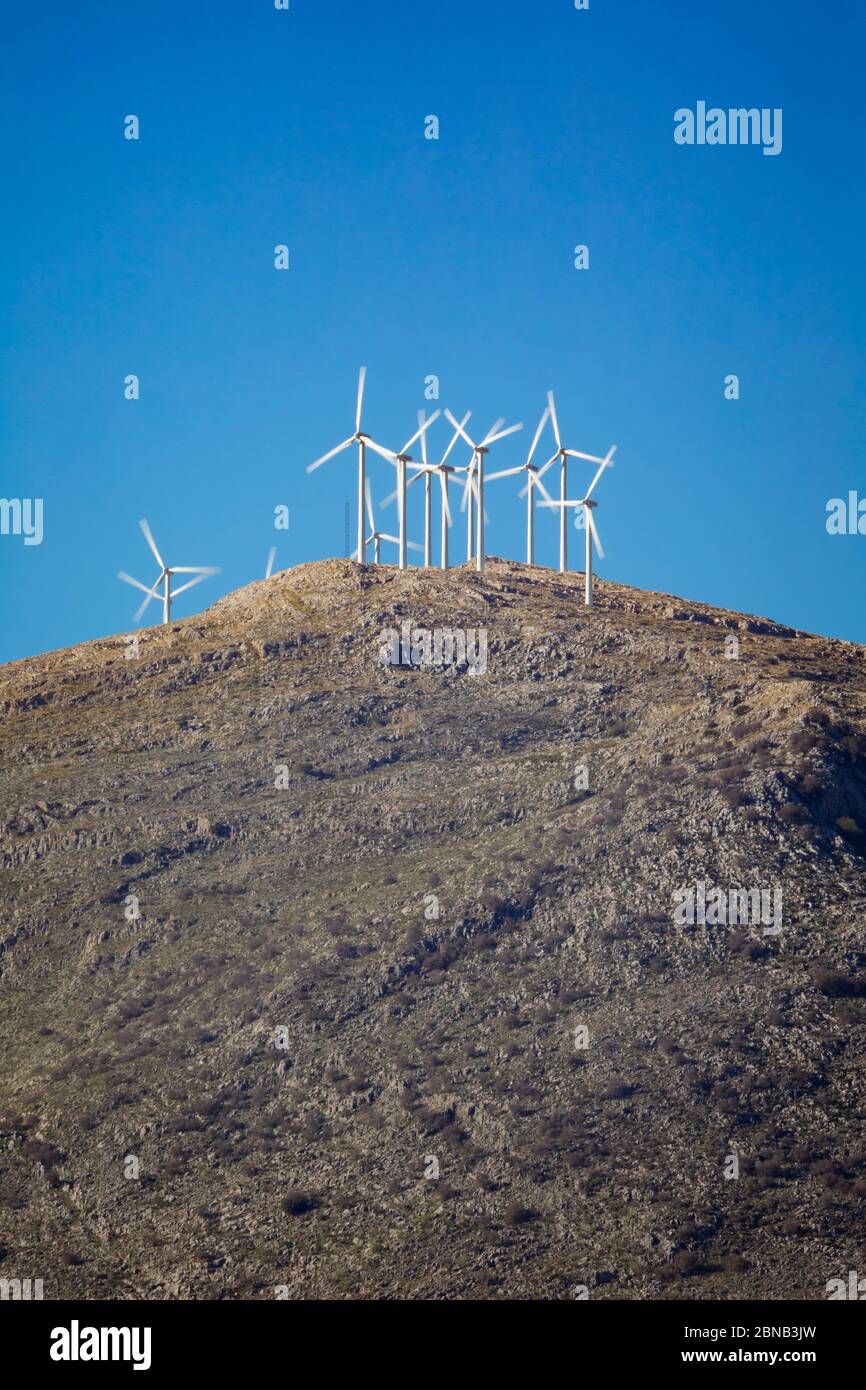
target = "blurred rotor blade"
x: 605, y: 463
x: 189, y: 585
x: 128, y: 579
x: 272, y: 555
x: 551, y: 405
x: 311, y: 467
x: 422, y: 429
x: 459, y: 428
x: 193, y: 569
x: 534, y: 445
x: 148, y: 536
x: 512, y: 429
x: 151, y: 593
x: 541, y: 488
x: 386, y: 501
x: 415, y: 476
x: 362, y: 377
x: 456, y: 435
x: 576, y: 454
x: 368, y: 498
x: 377, y: 449
x: 594, y: 530
x: 544, y: 467
x: 491, y: 433
x: 413, y: 545
x: 503, y: 473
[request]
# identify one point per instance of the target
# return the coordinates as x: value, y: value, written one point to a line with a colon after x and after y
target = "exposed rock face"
x: 288, y: 933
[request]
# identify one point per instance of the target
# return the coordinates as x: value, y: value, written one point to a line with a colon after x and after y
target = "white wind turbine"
x: 564, y: 455
x: 165, y: 576
x: 592, y: 536
x: 376, y: 537
x: 474, y: 489
x: 400, y: 460
x: 364, y: 443
x: 533, y: 481
x: 428, y: 470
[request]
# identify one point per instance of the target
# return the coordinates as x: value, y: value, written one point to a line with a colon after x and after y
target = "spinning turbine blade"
x: 368, y: 498
x: 151, y: 542
x: 595, y: 535
x: 362, y: 376
x: 195, y: 569
x: 189, y: 585
x: 272, y: 555
x: 421, y: 430
x: 491, y: 432
x: 551, y: 405
x: 128, y: 579
x: 605, y: 463
x: 534, y: 445
x: 459, y: 428
x: 151, y: 593
x: 503, y: 473
x: 541, y: 488
x: 456, y: 435
x: 311, y: 467
x: 512, y: 429
x: 377, y: 449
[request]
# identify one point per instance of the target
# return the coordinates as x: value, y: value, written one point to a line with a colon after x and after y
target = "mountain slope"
x: 286, y: 932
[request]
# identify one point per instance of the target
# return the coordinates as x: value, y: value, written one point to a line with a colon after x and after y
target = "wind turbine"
x: 400, y: 461
x: 376, y: 537
x: 164, y: 579
x: 364, y: 443
x: 564, y: 455
x: 444, y: 471
x: 592, y: 536
x: 533, y: 481
x: 475, y: 481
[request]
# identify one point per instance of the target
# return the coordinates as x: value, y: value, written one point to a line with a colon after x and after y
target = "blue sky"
x: 416, y: 257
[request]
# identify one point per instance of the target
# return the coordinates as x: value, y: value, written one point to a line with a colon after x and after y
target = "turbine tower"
x: 164, y: 578
x: 364, y: 443
x: 592, y: 536
x: 376, y: 537
x: 400, y: 460
x: 426, y: 469
x: 475, y: 481
x: 563, y: 455
x: 533, y: 481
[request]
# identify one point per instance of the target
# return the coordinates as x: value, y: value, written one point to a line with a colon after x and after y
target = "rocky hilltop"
x: 322, y: 976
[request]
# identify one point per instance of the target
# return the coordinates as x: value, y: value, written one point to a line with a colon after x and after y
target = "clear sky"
x: 416, y: 257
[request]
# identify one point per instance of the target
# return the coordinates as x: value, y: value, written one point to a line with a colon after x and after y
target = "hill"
x: 361, y: 980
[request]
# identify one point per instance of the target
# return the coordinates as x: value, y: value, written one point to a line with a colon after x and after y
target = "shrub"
x: 516, y: 1214
x: 298, y: 1203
